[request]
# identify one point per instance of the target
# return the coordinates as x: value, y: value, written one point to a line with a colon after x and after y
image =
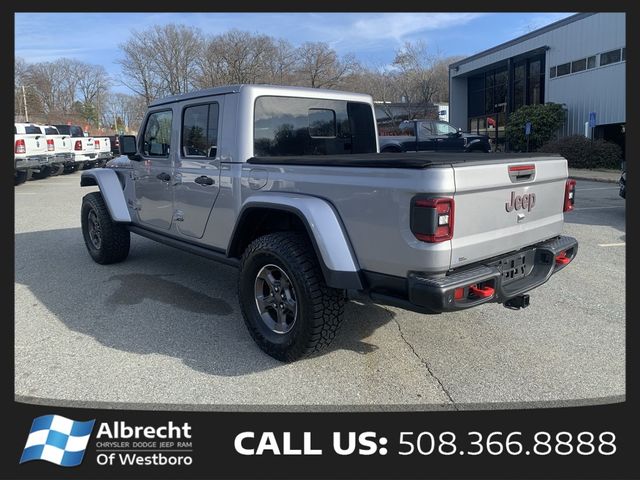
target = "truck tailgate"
x: 499, y: 208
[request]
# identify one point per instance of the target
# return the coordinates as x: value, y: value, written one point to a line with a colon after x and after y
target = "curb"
x: 593, y: 179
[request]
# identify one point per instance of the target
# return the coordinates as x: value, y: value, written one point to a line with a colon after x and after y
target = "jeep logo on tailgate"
x: 526, y: 201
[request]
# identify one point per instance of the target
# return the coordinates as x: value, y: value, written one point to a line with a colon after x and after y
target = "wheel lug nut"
x: 281, y: 305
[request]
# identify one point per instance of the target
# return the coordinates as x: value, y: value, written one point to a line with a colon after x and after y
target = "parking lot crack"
x: 426, y: 365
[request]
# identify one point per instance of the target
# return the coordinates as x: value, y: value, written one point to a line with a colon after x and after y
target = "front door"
x: 197, y: 181
x: 426, y: 136
x: 153, y: 174
x: 448, y: 138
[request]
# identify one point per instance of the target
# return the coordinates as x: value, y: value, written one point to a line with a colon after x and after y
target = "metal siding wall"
x: 458, y: 110
x: 601, y: 90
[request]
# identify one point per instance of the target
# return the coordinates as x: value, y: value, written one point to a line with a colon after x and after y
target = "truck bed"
x: 418, y: 160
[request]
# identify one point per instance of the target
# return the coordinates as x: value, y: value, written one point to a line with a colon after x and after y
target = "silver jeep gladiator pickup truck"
x: 287, y: 185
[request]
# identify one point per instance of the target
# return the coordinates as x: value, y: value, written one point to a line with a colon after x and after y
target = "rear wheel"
x: 107, y: 241
x: 43, y: 172
x: 57, y: 169
x: 289, y: 310
x: 20, y: 176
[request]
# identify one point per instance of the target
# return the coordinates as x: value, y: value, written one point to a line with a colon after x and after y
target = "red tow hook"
x: 562, y: 259
x: 483, y: 292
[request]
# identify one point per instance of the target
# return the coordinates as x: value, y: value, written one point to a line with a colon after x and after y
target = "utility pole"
x: 24, y: 99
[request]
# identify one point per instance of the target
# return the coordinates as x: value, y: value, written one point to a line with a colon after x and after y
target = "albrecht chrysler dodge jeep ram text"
x: 286, y: 184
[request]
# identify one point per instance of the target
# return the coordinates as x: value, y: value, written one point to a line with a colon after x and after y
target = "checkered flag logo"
x: 57, y: 440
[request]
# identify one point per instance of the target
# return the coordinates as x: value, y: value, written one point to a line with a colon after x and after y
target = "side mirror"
x: 459, y: 133
x: 128, y: 146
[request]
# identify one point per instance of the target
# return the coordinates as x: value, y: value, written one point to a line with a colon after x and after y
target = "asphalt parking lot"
x: 164, y: 330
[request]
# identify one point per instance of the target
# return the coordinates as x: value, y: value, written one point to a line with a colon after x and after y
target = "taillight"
x: 78, y: 145
x: 97, y: 144
x: 20, y: 146
x: 569, y: 195
x: 432, y: 219
x: 50, y: 146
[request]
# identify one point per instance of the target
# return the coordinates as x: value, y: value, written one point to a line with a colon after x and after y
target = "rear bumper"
x: 85, y: 157
x: 104, y: 156
x: 64, y: 158
x: 34, y: 161
x: 501, y: 278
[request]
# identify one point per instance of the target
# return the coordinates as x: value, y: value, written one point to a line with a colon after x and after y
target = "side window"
x: 444, y: 129
x: 200, y: 131
x: 426, y: 129
x: 157, y: 135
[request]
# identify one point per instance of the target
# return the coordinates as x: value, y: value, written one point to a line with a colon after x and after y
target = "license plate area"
x: 515, y: 267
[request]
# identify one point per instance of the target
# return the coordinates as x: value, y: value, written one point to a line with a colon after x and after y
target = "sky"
x: 372, y: 37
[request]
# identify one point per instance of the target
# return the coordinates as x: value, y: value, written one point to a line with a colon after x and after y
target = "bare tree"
x: 137, y: 68
x: 239, y: 57
x: 320, y: 66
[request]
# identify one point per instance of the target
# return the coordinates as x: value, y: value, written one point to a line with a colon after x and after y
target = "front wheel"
x: 107, y: 241
x: 289, y: 310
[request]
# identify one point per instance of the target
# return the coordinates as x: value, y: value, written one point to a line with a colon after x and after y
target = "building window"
x: 591, y: 62
x: 579, y: 65
x: 564, y: 69
x: 608, y: 58
x: 519, y: 84
x: 552, y: 72
x: 624, y: 53
x: 536, y: 81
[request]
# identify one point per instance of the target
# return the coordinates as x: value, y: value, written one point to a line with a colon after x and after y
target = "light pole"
x: 24, y: 99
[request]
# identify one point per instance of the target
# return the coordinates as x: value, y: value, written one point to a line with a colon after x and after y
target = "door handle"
x: 204, y: 180
x: 165, y: 177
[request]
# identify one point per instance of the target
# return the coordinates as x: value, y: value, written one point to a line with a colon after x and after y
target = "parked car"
x: 623, y: 181
x: 424, y: 232
x: 84, y: 154
x: 115, y: 145
x: 58, y: 150
x: 102, y: 147
x: 29, y: 150
x: 432, y: 135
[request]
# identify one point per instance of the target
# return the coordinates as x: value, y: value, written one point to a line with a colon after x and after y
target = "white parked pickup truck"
x: 29, y: 150
x: 102, y: 147
x: 58, y: 150
x: 84, y: 153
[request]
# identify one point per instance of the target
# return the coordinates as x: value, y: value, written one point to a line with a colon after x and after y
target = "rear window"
x: 306, y: 126
x: 51, y: 131
x: 63, y: 129
x: 32, y: 130
x: 76, y: 131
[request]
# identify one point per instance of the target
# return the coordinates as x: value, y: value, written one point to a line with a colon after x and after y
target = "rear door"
x: 197, y: 181
x: 504, y: 206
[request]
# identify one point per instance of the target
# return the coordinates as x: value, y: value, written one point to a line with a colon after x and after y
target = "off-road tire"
x: 319, y: 308
x: 115, y: 238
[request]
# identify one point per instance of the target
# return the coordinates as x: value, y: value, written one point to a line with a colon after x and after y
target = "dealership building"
x: 579, y: 62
